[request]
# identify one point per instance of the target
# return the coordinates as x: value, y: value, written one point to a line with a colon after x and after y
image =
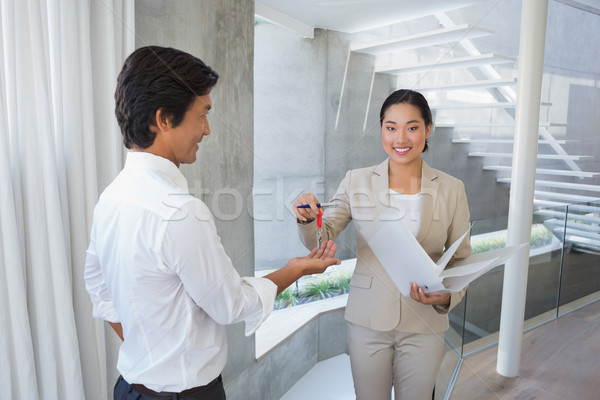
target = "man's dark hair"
x: 156, y: 78
x: 409, y: 97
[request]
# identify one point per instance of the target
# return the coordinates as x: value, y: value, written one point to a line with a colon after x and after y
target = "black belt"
x: 169, y: 395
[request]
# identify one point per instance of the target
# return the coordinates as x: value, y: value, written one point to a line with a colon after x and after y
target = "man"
x: 155, y: 267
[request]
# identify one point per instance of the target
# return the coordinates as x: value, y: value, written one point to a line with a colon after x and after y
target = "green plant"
x: 341, y: 281
x: 482, y: 245
x: 286, y: 299
x: 318, y: 289
x: 540, y: 236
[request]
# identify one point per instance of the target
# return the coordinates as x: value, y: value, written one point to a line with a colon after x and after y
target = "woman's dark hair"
x: 156, y: 78
x: 409, y: 97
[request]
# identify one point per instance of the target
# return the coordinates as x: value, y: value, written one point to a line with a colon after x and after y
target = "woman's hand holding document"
x: 406, y: 261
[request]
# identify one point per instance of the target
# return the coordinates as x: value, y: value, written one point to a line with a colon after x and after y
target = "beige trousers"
x: 407, y: 361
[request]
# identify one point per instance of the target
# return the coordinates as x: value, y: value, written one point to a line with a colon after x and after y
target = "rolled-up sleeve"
x: 103, y: 307
x: 267, y: 291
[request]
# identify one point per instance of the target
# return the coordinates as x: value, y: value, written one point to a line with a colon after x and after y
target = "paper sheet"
x: 406, y: 261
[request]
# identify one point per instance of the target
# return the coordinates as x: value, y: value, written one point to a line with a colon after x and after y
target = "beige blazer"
x: 374, y: 300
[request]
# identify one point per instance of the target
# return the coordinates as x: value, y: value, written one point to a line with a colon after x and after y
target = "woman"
x: 395, y: 341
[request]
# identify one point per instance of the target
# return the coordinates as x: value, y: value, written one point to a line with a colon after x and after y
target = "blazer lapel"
x: 380, y: 182
x: 429, y: 199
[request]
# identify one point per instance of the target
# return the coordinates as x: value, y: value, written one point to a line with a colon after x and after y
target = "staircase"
x: 468, y: 95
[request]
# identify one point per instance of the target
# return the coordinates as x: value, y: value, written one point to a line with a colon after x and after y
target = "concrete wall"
x: 273, y: 375
x: 289, y: 126
x: 311, y: 98
x: 221, y: 33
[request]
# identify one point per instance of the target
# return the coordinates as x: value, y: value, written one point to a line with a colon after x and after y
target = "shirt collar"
x: 144, y: 160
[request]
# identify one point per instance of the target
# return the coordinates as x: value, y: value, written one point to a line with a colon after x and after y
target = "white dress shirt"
x: 156, y: 265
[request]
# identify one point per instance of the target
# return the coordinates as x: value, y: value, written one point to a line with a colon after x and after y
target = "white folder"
x: 406, y: 261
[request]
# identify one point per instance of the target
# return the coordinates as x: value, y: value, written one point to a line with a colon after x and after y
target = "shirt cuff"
x: 441, y: 309
x: 105, y: 311
x: 267, y: 291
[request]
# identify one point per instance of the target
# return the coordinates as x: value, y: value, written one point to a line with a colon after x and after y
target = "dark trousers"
x: 125, y: 391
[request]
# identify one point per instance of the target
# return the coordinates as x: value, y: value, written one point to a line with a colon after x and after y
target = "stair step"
x: 539, y: 156
x: 542, y: 171
x: 469, y: 85
x: 558, y: 223
x: 550, y: 213
x: 583, y: 243
x: 509, y: 141
x: 562, y: 185
x: 493, y: 125
x: 458, y: 105
x: 574, y: 198
x: 584, y: 208
x: 424, y: 39
x: 594, y: 237
x: 462, y: 62
x: 549, y: 204
x: 558, y: 215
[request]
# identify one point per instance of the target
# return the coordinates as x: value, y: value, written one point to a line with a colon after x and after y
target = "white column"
x: 529, y: 86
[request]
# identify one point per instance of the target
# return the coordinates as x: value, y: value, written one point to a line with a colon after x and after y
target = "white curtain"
x: 59, y: 146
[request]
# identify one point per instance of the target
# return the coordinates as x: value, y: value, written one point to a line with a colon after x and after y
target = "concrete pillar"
x: 531, y: 62
x: 221, y: 33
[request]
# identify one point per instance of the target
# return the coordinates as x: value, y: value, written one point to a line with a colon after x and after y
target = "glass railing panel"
x: 449, y: 369
x: 455, y: 334
x: 482, y: 316
x: 580, y: 281
x: 547, y: 238
x: 484, y: 296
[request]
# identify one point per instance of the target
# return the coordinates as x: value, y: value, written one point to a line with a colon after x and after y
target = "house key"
x: 319, y: 228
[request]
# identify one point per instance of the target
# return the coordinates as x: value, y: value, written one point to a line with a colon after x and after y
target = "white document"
x: 406, y: 261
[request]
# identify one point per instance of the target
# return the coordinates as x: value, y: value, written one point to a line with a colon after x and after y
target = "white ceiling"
x: 350, y: 15
x: 357, y: 15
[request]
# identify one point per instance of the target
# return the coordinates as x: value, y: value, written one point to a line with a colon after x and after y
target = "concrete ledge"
x: 282, y: 324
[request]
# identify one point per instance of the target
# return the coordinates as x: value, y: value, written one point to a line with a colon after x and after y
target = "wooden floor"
x: 560, y: 361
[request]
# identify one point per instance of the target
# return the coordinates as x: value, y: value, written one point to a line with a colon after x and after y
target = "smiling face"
x: 182, y: 141
x: 403, y: 134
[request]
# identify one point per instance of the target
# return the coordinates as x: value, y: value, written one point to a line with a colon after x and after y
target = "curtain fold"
x: 16, y: 348
x: 59, y: 146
